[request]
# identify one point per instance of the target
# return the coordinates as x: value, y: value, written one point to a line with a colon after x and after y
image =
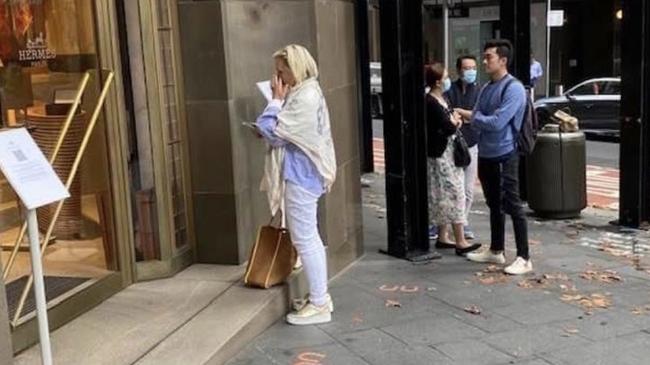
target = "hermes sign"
x: 36, y: 50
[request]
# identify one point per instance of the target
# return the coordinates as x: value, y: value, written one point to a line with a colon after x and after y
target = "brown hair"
x: 433, y: 73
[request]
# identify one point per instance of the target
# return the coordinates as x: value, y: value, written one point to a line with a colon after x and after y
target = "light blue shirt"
x: 536, y: 72
x: 494, y: 118
x: 297, y: 167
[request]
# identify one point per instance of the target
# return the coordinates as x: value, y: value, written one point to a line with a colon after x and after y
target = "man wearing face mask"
x: 463, y: 94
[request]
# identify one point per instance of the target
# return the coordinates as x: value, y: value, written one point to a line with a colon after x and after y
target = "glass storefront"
x: 46, y: 47
x: 129, y: 214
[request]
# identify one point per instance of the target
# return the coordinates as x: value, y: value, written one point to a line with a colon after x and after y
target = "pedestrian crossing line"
x: 600, y: 183
x: 627, y: 250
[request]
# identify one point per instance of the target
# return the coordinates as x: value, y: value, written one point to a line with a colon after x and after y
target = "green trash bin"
x: 557, y: 175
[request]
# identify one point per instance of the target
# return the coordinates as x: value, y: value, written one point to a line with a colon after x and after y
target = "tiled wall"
x: 227, y: 47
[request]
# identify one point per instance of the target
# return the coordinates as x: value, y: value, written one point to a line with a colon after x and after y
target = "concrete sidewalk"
x: 588, y: 302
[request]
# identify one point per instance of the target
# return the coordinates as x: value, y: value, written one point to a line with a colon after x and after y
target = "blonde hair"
x: 299, y: 61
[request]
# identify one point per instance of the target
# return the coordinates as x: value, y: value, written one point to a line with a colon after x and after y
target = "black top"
x: 439, y: 127
x: 466, y: 100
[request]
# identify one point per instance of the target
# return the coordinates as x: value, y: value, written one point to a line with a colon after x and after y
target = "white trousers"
x: 301, y: 208
x: 471, y: 172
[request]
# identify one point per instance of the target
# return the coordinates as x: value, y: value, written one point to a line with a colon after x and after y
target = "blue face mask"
x: 446, y: 84
x: 469, y: 76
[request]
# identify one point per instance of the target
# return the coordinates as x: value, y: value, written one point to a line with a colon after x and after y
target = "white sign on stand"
x: 36, y: 184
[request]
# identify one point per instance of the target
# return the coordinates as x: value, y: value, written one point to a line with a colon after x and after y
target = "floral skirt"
x: 447, y: 189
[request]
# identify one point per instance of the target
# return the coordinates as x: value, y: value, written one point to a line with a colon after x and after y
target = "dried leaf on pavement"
x: 492, y: 274
x: 532, y: 283
x: 473, y: 309
x: 567, y: 288
x: 543, y: 281
x: 588, y: 302
x: 606, y: 276
x: 641, y: 310
x: 556, y: 276
x: 494, y: 279
x: 609, y: 248
x: 568, y: 332
x: 393, y: 303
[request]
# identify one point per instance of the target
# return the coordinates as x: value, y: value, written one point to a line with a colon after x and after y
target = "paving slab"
x: 473, y: 352
x: 435, y: 330
x: 626, y: 350
x: 534, y: 340
x: 380, y: 348
x: 548, y: 311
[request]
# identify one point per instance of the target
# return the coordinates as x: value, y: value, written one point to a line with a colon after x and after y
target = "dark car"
x: 596, y: 104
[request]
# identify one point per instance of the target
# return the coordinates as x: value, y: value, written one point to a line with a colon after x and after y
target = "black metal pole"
x: 363, y: 87
x: 404, y: 128
x: 515, y: 26
x: 635, y: 98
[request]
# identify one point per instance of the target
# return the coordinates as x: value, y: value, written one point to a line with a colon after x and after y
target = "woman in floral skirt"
x: 447, y: 199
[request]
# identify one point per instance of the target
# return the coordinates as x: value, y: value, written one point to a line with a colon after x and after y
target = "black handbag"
x: 462, y: 158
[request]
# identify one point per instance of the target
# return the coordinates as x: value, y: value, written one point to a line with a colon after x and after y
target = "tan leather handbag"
x: 272, y: 258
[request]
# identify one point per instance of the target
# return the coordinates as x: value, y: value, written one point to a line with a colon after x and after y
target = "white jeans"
x: 470, y: 180
x: 301, y: 208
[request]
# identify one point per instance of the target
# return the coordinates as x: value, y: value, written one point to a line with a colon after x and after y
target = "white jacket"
x: 303, y: 121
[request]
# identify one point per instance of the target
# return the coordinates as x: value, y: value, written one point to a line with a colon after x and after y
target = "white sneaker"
x: 487, y: 256
x: 519, y: 267
x: 298, y: 304
x: 310, y: 314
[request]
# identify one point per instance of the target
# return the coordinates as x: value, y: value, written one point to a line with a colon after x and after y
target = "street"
x: 603, y: 154
x: 602, y: 169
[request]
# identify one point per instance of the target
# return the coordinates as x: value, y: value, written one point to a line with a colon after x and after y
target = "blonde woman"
x: 300, y: 167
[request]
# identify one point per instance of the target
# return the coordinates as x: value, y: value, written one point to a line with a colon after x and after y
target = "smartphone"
x: 252, y: 126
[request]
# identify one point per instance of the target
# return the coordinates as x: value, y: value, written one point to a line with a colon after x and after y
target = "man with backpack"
x: 502, y: 118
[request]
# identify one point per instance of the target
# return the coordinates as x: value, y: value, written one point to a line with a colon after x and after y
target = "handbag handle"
x: 277, y: 219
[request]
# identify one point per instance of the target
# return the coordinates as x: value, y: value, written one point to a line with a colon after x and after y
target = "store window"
x: 46, y: 47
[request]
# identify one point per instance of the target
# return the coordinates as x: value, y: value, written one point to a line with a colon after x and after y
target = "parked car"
x: 596, y: 104
x: 377, y: 108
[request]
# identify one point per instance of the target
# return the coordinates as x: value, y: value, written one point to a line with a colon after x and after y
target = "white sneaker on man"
x: 310, y: 314
x: 519, y: 267
x: 487, y: 256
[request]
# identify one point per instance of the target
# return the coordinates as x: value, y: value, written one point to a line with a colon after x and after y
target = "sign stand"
x: 39, y: 287
x: 36, y: 184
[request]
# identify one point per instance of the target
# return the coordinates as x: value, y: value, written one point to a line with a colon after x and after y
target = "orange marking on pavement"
x: 406, y: 289
x: 309, y: 358
x: 389, y: 289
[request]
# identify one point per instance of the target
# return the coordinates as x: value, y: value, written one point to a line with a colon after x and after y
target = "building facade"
x: 170, y: 177
x: 585, y: 46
